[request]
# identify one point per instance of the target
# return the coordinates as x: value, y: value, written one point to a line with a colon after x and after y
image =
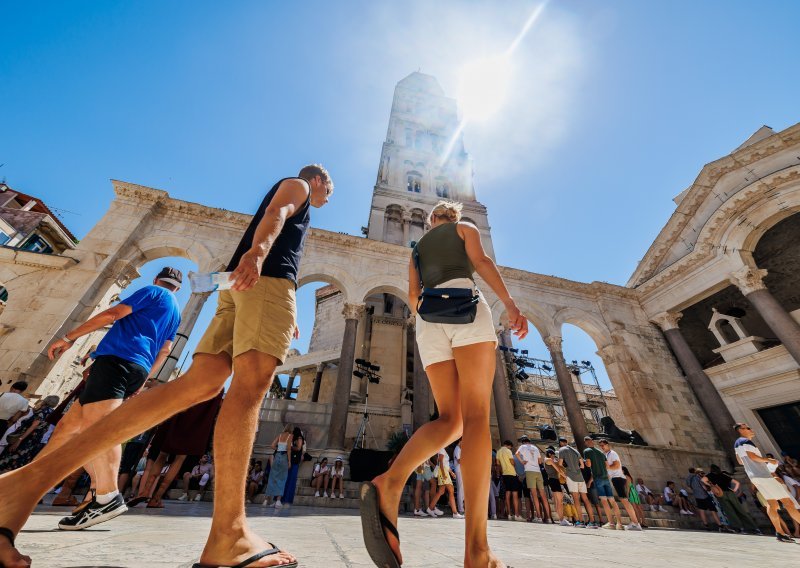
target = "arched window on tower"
x: 442, y: 189
x: 414, y: 182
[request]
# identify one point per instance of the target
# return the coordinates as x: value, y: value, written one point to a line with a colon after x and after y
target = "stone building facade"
x: 731, y: 245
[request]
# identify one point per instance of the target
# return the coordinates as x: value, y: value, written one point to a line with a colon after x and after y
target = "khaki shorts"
x: 576, y: 486
x: 261, y: 318
x: 534, y: 480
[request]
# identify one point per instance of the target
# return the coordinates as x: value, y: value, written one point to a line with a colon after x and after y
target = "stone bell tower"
x: 423, y: 160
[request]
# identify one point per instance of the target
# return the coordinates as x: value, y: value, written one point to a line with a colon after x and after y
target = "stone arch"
x: 319, y: 272
x: 537, y: 316
x: 378, y: 285
x: 591, y: 323
x: 158, y: 246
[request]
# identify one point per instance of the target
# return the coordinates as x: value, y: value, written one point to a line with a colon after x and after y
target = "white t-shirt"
x: 530, y: 453
x: 337, y: 472
x: 612, y: 456
x: 753, y: 469
x: 642, y: 489
x: 321, y: 471
x: 11, y: 403
x: 792, y: 484
x: 457, y: 456
x: 669, y: 495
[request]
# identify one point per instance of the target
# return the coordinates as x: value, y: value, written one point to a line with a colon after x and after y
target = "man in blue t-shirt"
x: 143, y: 327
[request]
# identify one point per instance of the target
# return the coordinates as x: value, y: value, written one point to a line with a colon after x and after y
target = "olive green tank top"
x: 443, y: 256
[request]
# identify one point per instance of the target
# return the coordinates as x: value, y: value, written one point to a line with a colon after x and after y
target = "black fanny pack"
x: 446, y: 305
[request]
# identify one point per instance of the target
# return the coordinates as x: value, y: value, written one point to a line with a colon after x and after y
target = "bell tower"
x: 423, y: 160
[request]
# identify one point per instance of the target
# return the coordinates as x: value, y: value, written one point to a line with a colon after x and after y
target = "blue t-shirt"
x: 139, y: 336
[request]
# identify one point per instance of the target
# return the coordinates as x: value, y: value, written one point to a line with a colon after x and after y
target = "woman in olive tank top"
x: 459, y: 360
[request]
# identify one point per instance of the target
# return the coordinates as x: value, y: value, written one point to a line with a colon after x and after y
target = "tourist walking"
x: 459, y: 360
x: 276, y: 483
x: 444, y: 476
x: 261, y: 305
x: 620, y: 483
x: 725, y: 487
x: 424, y: 487
x: 143, y: 327
x: 459, y: 478
x: 572, y: 461
x: 596, y: 460
x: 757, y: 470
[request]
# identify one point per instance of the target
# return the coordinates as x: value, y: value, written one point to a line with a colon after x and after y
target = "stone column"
x: 705, y: 391
x: 287, y: 394
x: 503, y: 409
x: 751, y: 282
x: 572, y: 407
x: 422, y: 388
x: 341, y: 393
x: 189, y: 317
x: 317, y: 382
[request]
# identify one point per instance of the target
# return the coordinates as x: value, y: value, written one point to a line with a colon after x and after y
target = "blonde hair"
x: 448, y: 210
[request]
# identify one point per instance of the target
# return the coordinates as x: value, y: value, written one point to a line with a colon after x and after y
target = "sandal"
x: 373, y: 523
x: 134, y: 501
x: 9, y: 534
x: 249, y: 561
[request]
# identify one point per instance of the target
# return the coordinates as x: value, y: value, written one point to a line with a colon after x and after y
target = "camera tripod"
x: 364, y: 428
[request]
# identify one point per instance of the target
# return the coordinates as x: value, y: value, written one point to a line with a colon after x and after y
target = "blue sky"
x: 614, y: 108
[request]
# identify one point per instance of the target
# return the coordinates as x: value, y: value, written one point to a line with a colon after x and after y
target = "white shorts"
x: 771, y: 488
x: 436, y: 340
x: 576, y: 486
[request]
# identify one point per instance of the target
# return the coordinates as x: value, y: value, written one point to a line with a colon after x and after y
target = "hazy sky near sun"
x: 613, y: 108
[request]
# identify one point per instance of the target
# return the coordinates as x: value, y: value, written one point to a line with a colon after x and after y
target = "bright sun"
x: 483, y: 87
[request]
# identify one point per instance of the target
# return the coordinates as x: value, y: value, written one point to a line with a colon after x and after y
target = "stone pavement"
x: 330, y: 538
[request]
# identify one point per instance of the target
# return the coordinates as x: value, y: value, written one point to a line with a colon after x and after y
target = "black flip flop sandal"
x: 373, y: 522
x: 249, y: 561
x: 9, y: 534
x: 136, y: 501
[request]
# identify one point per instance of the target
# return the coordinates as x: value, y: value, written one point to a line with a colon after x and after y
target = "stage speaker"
x: 367, y: 464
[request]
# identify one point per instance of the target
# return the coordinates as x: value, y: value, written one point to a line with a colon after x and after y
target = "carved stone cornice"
x: 138, y: 193
x: 389, y: 320
x: 667, y: 320
x: 353, y: 311
x: 749, y: 279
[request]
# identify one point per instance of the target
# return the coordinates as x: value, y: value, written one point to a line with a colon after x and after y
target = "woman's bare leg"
x: 475, y: 364
x: 425, y: 442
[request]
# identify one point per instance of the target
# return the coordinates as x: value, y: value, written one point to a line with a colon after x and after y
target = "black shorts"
x: 620, y: 486
x: 554, y: 484
x: 705, y: 504
x: 112, y: 378
x: 511, y: 483
x: 130, y: 457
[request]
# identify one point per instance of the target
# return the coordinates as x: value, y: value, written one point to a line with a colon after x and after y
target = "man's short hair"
x: 508, y: 443
x: 587, y: 438
x: 738, y: 426
x: 20, y: 386
x: 602, y: 441
x: 313, y: 170
x: 670, y: 483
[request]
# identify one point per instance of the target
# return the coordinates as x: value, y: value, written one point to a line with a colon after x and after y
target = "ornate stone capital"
x: 667, y: 320
x: 748, y: 279
x: 353, y: 311
x: 553, y: 343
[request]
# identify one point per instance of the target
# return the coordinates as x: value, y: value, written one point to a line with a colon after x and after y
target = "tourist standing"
x: 757, y: 470
x: 459, y: 478
x: 13, y: 405
x: 620, y: 483
x: 572, y: 461
x: 702, y: 499
x: 555, y: 472
x: 596, y: 460
x: 280, y: 468
x: 295, y: 459
x: 261, y: 305
x: 459, y: 360
x: 727, y: 486
x: 531, y: 459
x: 510, y: 481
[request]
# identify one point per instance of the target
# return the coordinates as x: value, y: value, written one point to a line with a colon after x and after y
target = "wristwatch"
x: 66, y: 339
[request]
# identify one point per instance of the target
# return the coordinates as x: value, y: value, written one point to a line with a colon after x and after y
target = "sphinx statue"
x: 614, y: 433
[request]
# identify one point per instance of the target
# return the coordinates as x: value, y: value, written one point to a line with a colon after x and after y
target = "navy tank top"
x: 283, y: 259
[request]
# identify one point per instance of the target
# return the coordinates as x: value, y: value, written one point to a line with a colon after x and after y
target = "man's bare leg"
x: 102, y: 469
x: 21, y: 489
x: 231, y: 541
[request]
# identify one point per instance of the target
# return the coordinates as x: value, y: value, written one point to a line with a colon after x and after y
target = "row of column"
x: 750, y: 281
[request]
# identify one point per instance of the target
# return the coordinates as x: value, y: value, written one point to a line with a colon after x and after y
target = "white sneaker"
x: 609, y: 526
x: 494, y: 517
x: 565, y: 523
x: 690, y: 513
x: 265, y: 502
x: 431, y: 513
x: 316, y: 494
x: 633, y: 527
x: 519, y: 518
x: 183, y: 497
x: 325, y: 494
x: 458, y: 516
x: 438, y: 512
x: 341, y: 495
x: 278, y: 504
x: 684, y: 512
x: 662, y: 509
x: 248, y: 501
x: 620, y: 527
x: 419, y: 513
x: 198, y: 497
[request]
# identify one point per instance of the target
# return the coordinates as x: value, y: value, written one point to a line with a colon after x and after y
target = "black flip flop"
x: 373, y: 522
x: 249, y: 561
x: 133, y: 502
x: 9, y: 534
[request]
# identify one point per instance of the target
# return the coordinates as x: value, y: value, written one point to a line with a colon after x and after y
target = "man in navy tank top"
x: 249, y: 336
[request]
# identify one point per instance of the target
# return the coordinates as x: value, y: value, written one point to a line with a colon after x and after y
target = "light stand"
x: 369, y: 371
